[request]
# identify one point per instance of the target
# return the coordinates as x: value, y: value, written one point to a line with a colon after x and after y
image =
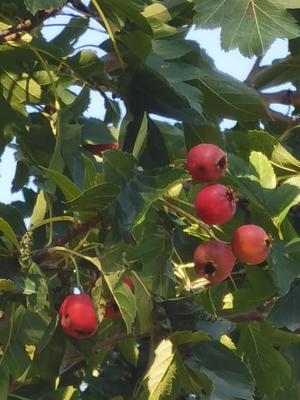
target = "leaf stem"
x: 109, y: 31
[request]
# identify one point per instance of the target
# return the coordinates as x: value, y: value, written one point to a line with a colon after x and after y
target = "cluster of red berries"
x: 78, y: 316
x: 214, y: 260
x: 215, y: 204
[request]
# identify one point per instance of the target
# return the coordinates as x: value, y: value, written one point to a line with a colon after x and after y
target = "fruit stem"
x: 233, y: 282
x: 78, y: 283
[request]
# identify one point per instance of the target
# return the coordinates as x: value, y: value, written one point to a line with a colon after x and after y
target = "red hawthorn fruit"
x: 77, y: 316
x: 112, y: 310
x: 206, y: 162
x: 215, y: 204
x: 97, y: 149
x: 251, y: 244
x: 3, y: 316
x: 214, y: 260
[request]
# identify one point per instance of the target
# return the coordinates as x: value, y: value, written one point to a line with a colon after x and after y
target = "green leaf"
x: 9, y: 232
x: 169, y: 73
x: 278, y: 73
x: 252, y: 27
x: 18, y: 87
x: 153, y: 250
x: 160, y: 379
x: 286, y: 196
x: 270, y: 368
x: 87, y: 66
x: 118, y: 167
x: 144, y: 304
x: 113, y: 272
x: 131, y: 10
x: 68, y: 188
x: 264, y: 169
x: 187, y: 337
x: 10, y: 122
x: 229, y: 374
x: 129, y: 350
x: 173, y: 137
x: 155, y: 255
x: 95, y: 131
x: 89, y: 172
x: 144, y: 189
x: 6, y: 285
x: 285, y: 312
x: 284, y: 267
x: 222, y: 94
x: 245, y: 177
x: 40, y: 209
x: 48, y: 359
x: 225, y: 95
x: 4, y: 383
x: 68, y: 38
x: 13, y: 217
x: 96, y: 198
x: 184, y: 315
x: 259, y: 289
x: 27, y: 328
x: 39, y: 142
x: 141, y: 139
x: 191, y: 380
x: 38, y: 300
x: 243, y: 143
x: 35, y: 5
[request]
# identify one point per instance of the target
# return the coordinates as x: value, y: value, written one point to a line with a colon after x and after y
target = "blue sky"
x: 231, y: 62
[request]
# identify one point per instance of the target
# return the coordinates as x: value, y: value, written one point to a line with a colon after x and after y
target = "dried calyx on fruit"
x: 206, y: 162
x: 214, y: 260
x: 77, y: 316
x: 215, y: 204
x: 251, y: 244
x: 112, y: 310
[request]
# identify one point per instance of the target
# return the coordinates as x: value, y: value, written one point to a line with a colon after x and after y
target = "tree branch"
x: 255, y: 315
x: 287, y: 97
x: 76, y: 360
x: 75, y: 231
x: 253, y: 72
x: 277, y: 116
x: 28, y: 25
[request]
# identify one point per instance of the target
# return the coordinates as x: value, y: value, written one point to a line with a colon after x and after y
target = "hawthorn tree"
x: 101, y: 296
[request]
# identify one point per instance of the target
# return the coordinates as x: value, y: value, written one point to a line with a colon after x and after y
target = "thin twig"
x: 253, y: 72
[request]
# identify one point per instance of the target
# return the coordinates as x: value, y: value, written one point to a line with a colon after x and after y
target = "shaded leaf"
x: 9, y: 232
x: 230, y: 376
x: 68, y: 188
x: 285, y: 312
x: 284, y: 267
x: 256, y: 346
x: 96, y: 198
x: 35, y: 5
x: 6, y: 285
